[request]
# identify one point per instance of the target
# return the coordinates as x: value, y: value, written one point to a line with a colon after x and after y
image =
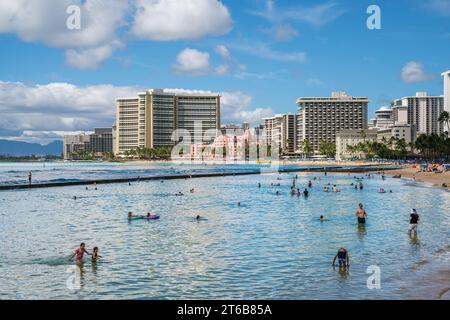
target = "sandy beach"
x: 436, y: 179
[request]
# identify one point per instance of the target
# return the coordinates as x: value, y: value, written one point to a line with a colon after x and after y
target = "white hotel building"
x: 421, y: 111
x: 446, y: 76
x: 149, y: 119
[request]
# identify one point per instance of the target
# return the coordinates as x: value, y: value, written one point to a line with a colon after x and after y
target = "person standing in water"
x: 413, y: 222
x: 30, y: 175
x: 95, y: 255
x: 361, y: 214
x: 343, y: 258
x: 79, y: 253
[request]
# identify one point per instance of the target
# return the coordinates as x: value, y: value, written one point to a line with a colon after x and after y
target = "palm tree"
x: 444, y: 118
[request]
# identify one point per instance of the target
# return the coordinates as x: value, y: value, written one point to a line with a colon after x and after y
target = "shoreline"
x: 413, y: 174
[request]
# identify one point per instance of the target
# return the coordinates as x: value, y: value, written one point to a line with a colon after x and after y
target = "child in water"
x: 95, y: 254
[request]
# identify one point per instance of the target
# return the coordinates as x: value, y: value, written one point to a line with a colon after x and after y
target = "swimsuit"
x: 79, y: 254
x: 342, y: 257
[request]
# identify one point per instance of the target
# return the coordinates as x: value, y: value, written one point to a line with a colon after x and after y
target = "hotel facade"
x: 321, y: 118
x: 150, y: 119
x: 446, y: 76
x: 421, y: 111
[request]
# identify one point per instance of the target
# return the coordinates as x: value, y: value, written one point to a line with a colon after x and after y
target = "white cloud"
x: 314, y: 82
x: 222, y: 69
x: 223, y: 52
x: 319, y: 14
x: 263, y: 50
x: 44, y: 21
x: 91, y: 58
x: 413, y: 72
x: 176, y: 20
x: 283, y: 32
x: 192, y: 61
x: 235, y: 108
x: 58, y: 106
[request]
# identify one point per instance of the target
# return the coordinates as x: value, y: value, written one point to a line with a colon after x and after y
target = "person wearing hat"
x: 414, y: 220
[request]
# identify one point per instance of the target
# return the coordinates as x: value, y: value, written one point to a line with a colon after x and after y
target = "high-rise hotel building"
x: 281, y: 130
x: 321, y: 118
x: 149, y: 119
x: 420, y: 110
x: 446, y: 76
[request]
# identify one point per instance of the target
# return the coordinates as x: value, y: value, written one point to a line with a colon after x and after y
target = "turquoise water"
x: 271, y: 247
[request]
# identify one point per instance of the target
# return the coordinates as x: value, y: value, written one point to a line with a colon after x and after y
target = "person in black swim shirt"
x: 306, y: 193
x: 343, y: 258
x: 413, y: 222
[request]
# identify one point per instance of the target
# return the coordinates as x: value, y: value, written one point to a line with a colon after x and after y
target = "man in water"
x: 413, y: 222
x: 343, y: 258
x: 361, y: 214
x: 79, y: 253
x: 306, y: 193
x: 29, y: 178
x: 309, y: 184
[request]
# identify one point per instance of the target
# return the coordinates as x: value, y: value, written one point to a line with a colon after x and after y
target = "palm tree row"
x: 150, y: 153
x: 430, y: 147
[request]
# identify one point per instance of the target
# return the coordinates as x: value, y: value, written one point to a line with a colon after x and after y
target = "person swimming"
x: 306, y: 193
x: 343, y: 258
x: 310, y: 184
x: 192, y: 190
x: 259, y: 185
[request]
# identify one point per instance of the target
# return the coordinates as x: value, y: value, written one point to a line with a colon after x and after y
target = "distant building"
x: 281, y: 130
x: 101, y: 141
x: 321, y: 118
x: 98, y: 143
x: 384, y: 118
x: 149, y: 119
x: 75, y: 145
x: 446, y: 76
x: 400, y: 131
x: 421, y: 111
x: 345, y: 138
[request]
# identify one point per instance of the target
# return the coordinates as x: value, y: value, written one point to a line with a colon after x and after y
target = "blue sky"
x: 261, y: 55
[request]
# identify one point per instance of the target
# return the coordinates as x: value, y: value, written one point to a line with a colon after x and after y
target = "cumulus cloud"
x: 45, y: 21
x: 102, y: 23
x: 192, y: 62
x: 283, y: 32
x: 235, y: 108
x: 58, y: 106
x: 413, y: 72
x: 175, y: 20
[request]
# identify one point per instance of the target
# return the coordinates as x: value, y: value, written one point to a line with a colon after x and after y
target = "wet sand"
x: 436, y: 179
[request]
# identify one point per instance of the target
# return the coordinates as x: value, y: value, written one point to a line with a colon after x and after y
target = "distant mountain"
x: 19, y: 148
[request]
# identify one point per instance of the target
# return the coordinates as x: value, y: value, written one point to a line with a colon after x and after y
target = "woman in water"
x: 79, y: 253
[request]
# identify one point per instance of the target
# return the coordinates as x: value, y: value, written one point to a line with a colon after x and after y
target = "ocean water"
x: 270, y: 247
